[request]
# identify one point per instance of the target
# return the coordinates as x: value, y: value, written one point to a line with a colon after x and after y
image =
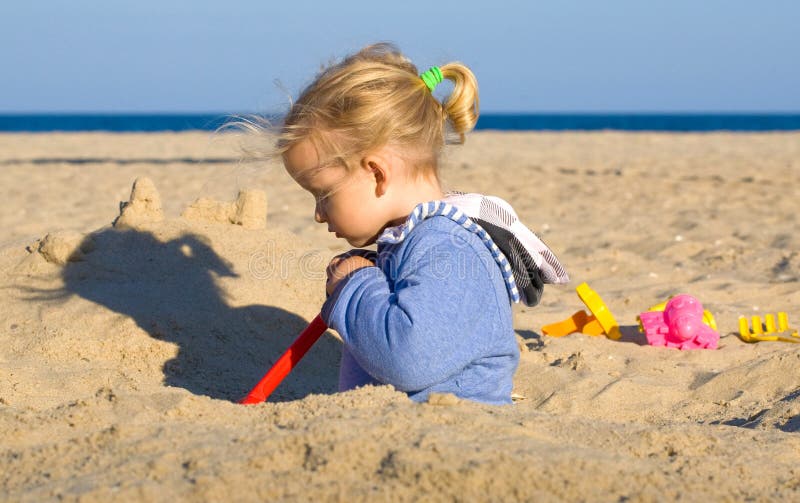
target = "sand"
x: 124, y: 348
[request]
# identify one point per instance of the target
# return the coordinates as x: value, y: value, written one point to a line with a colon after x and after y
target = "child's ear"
x: 378, y: 167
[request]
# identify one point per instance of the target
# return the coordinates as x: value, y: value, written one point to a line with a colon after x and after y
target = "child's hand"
x: 342, y: 266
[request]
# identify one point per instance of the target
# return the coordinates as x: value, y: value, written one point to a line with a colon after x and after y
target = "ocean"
x: 678, y: 122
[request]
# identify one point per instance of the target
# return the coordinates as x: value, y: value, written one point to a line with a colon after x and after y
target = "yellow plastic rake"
x: 768, y: 331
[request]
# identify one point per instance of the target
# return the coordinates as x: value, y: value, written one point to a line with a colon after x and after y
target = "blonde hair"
x: 375, y: 98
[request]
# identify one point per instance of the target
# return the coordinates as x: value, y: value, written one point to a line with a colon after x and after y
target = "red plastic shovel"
x: 286, y: 362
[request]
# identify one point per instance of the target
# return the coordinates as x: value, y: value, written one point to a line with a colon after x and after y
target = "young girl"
x: 431, y: 310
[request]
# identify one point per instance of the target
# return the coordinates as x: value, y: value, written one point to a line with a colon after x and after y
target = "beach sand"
x: 124, y: 348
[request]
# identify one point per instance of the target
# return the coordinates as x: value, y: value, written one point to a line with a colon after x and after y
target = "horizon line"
x: 490, y: 112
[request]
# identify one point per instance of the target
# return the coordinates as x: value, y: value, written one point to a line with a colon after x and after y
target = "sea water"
x: 503, y: 122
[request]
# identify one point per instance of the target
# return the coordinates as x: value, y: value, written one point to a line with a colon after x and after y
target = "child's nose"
x: 319, y: 215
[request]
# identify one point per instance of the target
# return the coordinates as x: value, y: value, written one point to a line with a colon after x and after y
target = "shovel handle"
x: 286, y: 362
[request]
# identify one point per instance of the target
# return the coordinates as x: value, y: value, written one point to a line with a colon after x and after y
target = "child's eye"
x: 320, y: 197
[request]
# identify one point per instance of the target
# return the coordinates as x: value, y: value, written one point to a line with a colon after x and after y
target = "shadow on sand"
x: 170, y: 290
x: 628, y: 333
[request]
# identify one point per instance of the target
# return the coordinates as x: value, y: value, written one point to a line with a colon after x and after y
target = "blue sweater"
x: 433, y: 316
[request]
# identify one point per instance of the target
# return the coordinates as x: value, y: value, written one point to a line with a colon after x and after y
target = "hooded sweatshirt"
x: 434, y: 315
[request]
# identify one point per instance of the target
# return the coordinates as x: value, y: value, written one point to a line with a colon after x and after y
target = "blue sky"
x: 529, y: 56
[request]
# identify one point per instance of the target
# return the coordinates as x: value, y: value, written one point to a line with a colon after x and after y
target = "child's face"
x: 347, y: 202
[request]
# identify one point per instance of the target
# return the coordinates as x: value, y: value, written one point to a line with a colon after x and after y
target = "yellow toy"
x: 599, y: 322
x: 708, y: 318
x: 768, y: 332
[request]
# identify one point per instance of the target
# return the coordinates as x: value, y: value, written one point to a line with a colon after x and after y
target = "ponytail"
x: 462, y: 107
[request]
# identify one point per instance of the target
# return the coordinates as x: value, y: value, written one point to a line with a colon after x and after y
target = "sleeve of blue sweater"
x: 428, y: 322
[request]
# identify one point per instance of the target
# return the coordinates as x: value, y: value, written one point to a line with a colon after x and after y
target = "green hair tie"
x: 432, y: 77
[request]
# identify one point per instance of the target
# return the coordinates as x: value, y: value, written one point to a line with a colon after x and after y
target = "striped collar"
x: 396, y: 234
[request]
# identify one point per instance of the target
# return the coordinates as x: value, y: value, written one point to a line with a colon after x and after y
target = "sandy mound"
x: 187, y: 303
x: 123, y: 350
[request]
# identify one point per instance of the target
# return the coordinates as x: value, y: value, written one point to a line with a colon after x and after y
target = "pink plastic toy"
x: 680, y: 325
